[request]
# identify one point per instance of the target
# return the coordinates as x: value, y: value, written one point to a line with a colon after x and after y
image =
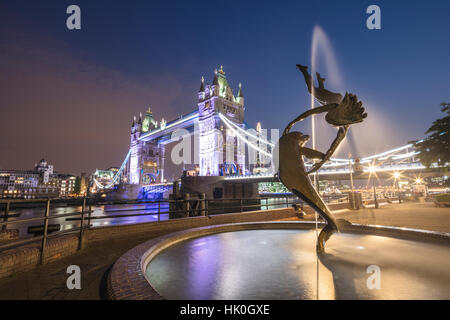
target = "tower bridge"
x: 149, y: 138
x: 218, y: 126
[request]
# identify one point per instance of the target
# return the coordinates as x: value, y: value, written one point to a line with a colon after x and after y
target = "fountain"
x: 282, y: 260
x: 340, y: 112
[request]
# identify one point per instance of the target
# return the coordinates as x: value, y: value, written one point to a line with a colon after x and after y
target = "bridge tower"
x: 146, y: 164
x: 221, y: 151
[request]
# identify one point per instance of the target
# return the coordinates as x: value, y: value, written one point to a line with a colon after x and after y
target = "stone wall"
x: 11, y: 234
x: 167, y: 226
x: 27, y: 257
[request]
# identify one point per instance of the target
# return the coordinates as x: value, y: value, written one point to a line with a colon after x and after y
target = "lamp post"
x: 372, y: 172
x: 88, y: 191
x: 375, y: 194
x: 351, y: 179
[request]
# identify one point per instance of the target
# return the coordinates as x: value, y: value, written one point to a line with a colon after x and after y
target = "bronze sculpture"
x: 341, y: 112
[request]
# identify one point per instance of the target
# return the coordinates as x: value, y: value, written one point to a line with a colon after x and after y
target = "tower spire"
x: 202, y: 86
x: 240, y: 94
x: 216, y: 79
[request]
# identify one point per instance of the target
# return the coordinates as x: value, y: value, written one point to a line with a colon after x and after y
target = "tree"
x: 435, y: 148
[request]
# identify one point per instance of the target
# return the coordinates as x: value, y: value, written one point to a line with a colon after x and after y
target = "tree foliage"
x: 435, y: 148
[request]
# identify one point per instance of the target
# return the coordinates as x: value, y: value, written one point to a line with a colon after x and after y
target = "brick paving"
x: 49, y: 281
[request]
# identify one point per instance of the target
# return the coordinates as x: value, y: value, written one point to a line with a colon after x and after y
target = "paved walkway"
x: 410, y: 215
x: 49, y: 281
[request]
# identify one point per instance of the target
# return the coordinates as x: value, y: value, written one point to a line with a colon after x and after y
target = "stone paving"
x: 410, y: 215
x: 424, y: 216
x: 49, y: 281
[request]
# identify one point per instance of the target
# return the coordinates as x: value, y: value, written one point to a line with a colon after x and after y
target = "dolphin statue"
x: 340, y: 112
x: 321, y: 94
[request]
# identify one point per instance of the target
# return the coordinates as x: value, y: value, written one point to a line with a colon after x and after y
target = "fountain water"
x: 218, y: 262
x: 320, y: 42
x: 322, y: 54
x: 378, y: 128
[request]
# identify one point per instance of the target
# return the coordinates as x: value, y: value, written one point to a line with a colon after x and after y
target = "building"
x: 147, y: 157
x: 84, y: 184
x: 25, y: 184
x: 220, y: 152
x: 42, y: 182
x: 44, y: 169
x: 66, y: 184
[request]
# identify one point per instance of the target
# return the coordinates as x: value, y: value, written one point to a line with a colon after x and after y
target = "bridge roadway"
x: 411, y: 174
x: 400, y: 160
x: 344, y: 174
x: 164, y: 135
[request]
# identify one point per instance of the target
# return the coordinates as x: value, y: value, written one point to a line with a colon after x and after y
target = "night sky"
x: 70, y: 96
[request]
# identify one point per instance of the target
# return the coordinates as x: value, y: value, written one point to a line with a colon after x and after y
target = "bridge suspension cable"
x: 242, y: 134
x: 224, y: 118
x: 116, y: 176
x: 228, y: 125
x: 333, y: 162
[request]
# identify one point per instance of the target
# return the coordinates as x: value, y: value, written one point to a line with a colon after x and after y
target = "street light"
x: 351, y: 179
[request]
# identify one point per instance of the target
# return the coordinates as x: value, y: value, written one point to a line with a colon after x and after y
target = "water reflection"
x: 66, y: 223
x: 282, y: 264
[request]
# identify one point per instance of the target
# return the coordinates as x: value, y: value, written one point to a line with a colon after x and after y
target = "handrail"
x: 26, y: 200
x: 180, y: 201
x: 189, y: 209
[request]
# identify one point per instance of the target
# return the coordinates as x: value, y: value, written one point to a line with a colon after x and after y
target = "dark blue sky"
x: 131, y: 54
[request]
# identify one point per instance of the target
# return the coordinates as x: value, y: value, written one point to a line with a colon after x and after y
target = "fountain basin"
x: 277, y: 260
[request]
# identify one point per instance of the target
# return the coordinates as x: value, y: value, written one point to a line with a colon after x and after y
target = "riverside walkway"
x: 49, y: 281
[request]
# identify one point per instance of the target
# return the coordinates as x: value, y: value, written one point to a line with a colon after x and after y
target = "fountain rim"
x: 127, y: 279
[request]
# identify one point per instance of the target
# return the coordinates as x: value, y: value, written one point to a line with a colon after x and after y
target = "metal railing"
x: 184, y: 208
